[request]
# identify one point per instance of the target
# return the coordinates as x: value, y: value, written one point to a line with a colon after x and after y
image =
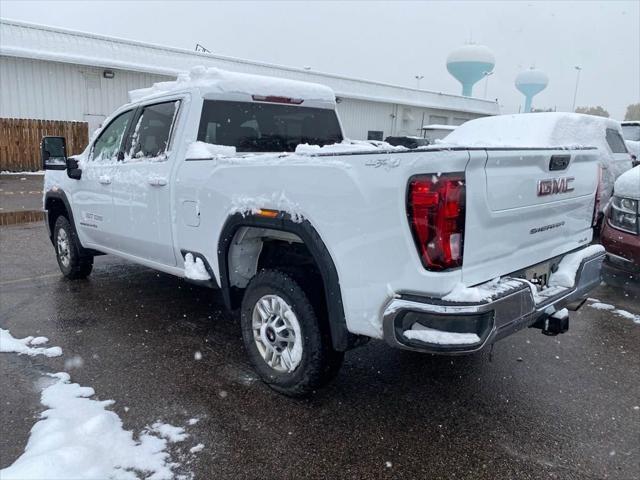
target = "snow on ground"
x: 77, y: 437
x: 616, y: 311
x: 7, y: 172
x: 194, y: 268
x: 430, y: 335
x: 24, y: 346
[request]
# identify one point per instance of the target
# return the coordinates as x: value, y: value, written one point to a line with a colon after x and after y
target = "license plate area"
x: 538, y: 274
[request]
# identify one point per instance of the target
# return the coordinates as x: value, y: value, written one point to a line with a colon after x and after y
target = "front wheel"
x: 288, y: 347
x: 72, y: 263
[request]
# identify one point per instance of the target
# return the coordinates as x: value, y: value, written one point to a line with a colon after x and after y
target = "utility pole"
x: 418, y: 78
x: 575, y: 93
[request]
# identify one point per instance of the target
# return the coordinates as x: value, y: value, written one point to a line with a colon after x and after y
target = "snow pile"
x: 25, y: 346
x: 170, y: 432
x: 616, y: 311
x: 246, y: 205
x: 534, y: 130
x: 78, y: 438
x: 565, y: 276
x: 204, y: 151
x: 430, y: 335
x: 480, y: 293
x: 222, y: 81
x: 628, y: 184
x: 194, y: 268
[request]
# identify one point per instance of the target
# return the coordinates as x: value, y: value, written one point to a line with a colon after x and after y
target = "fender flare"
x: 62, y: 196
x: 341, y: 338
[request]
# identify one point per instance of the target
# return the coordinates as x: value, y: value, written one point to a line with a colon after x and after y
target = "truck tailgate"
x: 524, y: 207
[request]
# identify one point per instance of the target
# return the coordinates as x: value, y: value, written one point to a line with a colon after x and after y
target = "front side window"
x: 152, y: 133
x: 615, y: 141
x: 261, y: 127
x: 107, y: 146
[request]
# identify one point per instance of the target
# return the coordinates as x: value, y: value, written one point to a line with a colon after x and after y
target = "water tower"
x: 530, y: 83
x: 469, y: 64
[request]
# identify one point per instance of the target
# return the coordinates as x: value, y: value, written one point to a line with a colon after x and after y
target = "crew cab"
x: 246, y: 184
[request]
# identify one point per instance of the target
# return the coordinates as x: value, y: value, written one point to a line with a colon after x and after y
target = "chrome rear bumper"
x: 514, y: 309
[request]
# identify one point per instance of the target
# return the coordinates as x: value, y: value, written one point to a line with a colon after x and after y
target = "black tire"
x: 318, y: 363
x: 73, y: 263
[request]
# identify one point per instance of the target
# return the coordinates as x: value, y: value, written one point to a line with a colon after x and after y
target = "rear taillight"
x: 596, y: 206
x: 436, y: 211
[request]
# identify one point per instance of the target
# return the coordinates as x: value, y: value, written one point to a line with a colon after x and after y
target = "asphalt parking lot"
x: 565, y: 407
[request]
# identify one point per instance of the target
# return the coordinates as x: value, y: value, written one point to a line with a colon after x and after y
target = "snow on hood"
x: 222, y: 81
x: 628, y: 184
x: 534, y: 130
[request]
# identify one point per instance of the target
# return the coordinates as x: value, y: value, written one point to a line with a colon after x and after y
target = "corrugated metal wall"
x: 61, y: 91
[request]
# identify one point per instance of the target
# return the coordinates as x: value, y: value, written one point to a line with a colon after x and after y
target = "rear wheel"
x: 286, y: 343
x: 72, y: 263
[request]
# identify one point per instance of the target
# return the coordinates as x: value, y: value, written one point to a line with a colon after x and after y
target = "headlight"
x: 623, y: 214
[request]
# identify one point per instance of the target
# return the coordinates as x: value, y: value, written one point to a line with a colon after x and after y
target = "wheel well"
x: 55, y: 207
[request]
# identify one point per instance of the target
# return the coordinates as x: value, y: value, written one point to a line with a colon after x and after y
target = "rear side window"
x: 152, y: 133
x: 260, y: 127
x: 615, y: 141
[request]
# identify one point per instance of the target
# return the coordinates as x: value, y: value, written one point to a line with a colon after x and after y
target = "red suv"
x: 621, y: 232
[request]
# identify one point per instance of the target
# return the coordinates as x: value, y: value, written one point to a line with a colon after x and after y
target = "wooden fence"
x: 20, y: 141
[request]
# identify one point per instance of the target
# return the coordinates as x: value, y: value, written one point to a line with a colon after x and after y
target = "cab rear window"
x: 615, y: 141
x: 262, y: 127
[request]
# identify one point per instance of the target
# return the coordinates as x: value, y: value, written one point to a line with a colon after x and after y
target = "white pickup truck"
x: 246, y: 184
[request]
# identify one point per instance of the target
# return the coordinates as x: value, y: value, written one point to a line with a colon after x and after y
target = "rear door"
x: 526, y: 206
x: 142, y: 188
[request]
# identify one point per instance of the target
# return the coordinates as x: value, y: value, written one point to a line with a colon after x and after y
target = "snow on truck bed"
x: 533, y: 130
x: 222, y: 81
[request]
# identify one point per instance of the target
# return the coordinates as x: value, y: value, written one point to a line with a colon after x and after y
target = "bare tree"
x: 599, y: 111
x: 633, y: 112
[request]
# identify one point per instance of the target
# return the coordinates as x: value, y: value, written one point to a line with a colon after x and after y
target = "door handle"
x: 104, y: 180
x: 157, y: 181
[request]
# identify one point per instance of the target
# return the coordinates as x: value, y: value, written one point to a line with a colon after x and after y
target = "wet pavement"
x: 565, y: 407
x: 20, y: 192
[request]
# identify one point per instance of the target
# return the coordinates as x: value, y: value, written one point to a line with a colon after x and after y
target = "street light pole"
x: 575, y: 93
x: 486, y: 81
x: 418, y: 78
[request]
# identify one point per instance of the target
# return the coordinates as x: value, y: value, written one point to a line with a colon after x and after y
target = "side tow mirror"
x: 53, y: 153
x: 73, y: 169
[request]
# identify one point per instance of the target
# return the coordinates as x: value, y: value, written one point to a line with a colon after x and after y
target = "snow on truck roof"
x: 534, y: 130
x: 215, y: 80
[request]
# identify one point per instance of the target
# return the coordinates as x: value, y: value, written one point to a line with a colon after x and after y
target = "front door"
x: 92, y: 195
x: 141, y: 187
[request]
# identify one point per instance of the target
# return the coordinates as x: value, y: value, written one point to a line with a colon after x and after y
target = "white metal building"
x: 54, y: 74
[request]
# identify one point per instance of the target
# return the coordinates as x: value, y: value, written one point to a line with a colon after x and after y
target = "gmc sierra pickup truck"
x: 246, y: 184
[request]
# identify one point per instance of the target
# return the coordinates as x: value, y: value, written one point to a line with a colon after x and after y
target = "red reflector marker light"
x: 436, y: 211
x: 276, y: 99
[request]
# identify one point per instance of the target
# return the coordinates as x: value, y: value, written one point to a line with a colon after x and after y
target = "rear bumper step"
x: 435, y: 326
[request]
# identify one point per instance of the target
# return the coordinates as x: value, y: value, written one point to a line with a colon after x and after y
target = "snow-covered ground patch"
x: 170, y: 432
x: 78, y: 438
x: 480, y: 293
x: 6, y: 172
x: 194, y: 268
x: 616, y: 311
x: 26, y: 346
x: 430, y: 335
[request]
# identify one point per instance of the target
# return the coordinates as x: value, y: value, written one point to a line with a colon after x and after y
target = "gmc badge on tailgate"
x: 553, y: 186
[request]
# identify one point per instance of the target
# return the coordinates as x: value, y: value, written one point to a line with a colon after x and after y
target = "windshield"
x: 631, y: 132
x: 260, y: 127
